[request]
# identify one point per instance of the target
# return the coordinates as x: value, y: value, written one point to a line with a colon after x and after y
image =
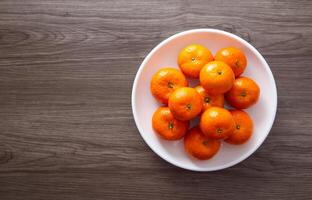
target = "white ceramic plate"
x: 165, y: 54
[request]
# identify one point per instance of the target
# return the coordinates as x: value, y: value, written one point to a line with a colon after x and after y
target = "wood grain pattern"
x: 66, y: 72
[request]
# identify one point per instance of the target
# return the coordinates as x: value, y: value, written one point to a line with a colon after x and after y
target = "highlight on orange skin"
x: 185, y: 103
x: 210, y: 100
x: 165, y: 81
x: 199, y: 146
x: 216, y: 77
x: 167, y: 126
x: 243, y: 127
x: 192, y: 58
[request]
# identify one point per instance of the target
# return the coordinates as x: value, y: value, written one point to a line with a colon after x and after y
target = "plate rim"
x: 206, y: 30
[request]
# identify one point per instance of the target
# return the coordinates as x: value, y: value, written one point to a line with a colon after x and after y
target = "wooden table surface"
x: 66, y: 73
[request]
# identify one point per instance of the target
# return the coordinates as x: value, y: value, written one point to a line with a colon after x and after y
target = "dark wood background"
x: 66, y: 73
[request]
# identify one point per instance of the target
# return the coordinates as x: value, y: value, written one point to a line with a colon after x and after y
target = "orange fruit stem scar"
x: 167, y: 126
x: 216, y: 77
x: 234, y: 57
x: 243, y: 127
x: 199, y: 146
x: 192, y: 58
x: 185, y: 103
x: 244, y: 93
x: 217, y: 123
x: 165, y: 81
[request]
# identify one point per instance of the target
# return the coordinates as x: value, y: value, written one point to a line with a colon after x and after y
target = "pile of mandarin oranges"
x: 220, y: 80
